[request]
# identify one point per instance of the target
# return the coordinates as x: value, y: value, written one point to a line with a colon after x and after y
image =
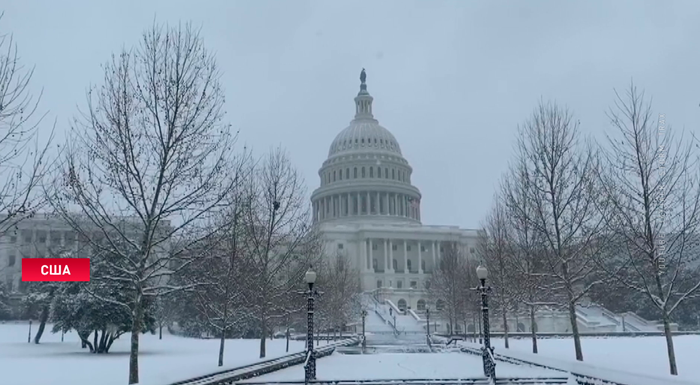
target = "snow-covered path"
x: 403, y: 366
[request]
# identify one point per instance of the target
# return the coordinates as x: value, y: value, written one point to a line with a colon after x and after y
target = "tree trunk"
x: 42, y: 324
x: 109, y: 343
x: 137, y: 316
x: 286, y: 334
x: 83, y: 339
x: 95, y: 342
x: 574, y: 330
x: 263, y: 335
x: 505, y: 326
x: 103, y: 342
x: 669, y: 343
x: 160, y: 332
x: 222, y: 342
x: 533, y: 329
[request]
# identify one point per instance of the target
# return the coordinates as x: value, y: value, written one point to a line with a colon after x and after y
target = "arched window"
x: 340, y: 174
x: 521, y: 327
x: 347, y: 173
x: 402, y: 304
x: 393, y: 173
x: 394, y: 264
x: 355, y: 173
x: 439, y: 305
x: 371, y: 172
x: 534, y: 327
x: 386, y: 173
x: 334, y: 176
x: 420, y: 305
x: 363, y: 172
x: 408, y: 265
x: 399, y: 284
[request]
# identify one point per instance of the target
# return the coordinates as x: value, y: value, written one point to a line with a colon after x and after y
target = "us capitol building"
x: 368, y: 210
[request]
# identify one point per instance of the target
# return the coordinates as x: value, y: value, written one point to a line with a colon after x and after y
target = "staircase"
x: 392, y: 329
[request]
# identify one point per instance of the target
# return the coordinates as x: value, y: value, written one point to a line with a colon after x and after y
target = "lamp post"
x: 427, y: 319
x: 487, y: 350
x: 310, y: 367
x: 29, y: 337
x: 364, y: 342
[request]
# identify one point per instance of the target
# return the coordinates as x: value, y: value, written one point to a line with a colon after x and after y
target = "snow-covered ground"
x: 161, y: 361
x: 403, y: 366
x: 642, y: 355
x: 174, y: 358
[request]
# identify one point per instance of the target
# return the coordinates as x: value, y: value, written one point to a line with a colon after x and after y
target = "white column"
x: 369, y: 206
x: 371, y: 254
x: 434, y: 264
x: 396, y: 205
x: 391, y: 256
x: 405, y: 256
x: 385, y: 257
x: 386, y: 203
x: 420, y: 258
x: 357, y: 203
x: 363, y: 254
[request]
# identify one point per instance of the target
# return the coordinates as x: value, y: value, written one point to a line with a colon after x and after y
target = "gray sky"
x: 451, y: 79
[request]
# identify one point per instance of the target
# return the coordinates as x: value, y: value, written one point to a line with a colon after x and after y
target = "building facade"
x: 369, y: 211
x: 48, y: 236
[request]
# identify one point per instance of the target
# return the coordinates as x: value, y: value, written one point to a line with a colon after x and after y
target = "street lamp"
x: 310, y: 367
x: 427, y: 319
x: 427, y: 323
x: 487, y: 350
x: 364, y: 342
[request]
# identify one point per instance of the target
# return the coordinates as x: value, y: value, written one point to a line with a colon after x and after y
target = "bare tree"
x: 340, y: 283
x: 221, y: 276
x: 449, y: 285
x: 562, y: 185
x: 528, y: 284
x: 280, y: 239
x: 23, y: 159
x: 650, y: 179
x: 147, y: 164
x: 495, y: 247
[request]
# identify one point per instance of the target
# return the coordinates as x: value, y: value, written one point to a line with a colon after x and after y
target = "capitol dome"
x: 365, y: 176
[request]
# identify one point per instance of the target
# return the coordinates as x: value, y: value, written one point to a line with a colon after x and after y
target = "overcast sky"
x: 451, y: 79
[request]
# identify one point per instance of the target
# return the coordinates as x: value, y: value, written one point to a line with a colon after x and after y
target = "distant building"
x: 368, y: 211
x: 45, y: 236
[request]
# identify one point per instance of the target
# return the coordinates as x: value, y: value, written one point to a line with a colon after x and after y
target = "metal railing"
x: 232, y: 376
x: 461, y: 381
x: 580, y: 377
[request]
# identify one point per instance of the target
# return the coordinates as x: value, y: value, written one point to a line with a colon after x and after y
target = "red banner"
x: 55, y: 269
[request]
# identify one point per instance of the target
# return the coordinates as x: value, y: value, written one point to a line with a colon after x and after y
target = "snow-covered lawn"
x: 402, y: 366
x: 161, y: 361
x: 642, y: 355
